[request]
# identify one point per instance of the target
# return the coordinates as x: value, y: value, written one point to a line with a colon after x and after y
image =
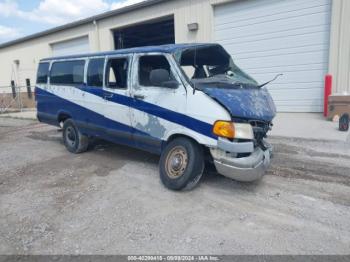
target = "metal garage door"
x: 70, y: 47
x: 267, y: 37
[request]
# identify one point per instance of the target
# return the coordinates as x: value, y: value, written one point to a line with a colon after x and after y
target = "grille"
x: 260, y: 129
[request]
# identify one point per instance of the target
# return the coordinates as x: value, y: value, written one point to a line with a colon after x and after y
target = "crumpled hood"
x: 248, y: 103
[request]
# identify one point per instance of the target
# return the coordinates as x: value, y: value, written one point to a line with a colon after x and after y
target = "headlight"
x: 233, y: 130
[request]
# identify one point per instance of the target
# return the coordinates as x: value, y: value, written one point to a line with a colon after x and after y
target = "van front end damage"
x: 241, y: 161
x: 244, y: 160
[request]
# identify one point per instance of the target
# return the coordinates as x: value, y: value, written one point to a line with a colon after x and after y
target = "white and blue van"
x: 189, y: 103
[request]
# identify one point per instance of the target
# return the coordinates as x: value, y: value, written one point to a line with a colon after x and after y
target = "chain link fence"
x: 15, y: 98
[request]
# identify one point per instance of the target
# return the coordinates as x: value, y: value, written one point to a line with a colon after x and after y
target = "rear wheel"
x: 181, y: 164
x: 73, y: 139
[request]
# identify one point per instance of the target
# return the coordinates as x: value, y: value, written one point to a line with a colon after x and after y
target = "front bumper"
x: 245, y: 169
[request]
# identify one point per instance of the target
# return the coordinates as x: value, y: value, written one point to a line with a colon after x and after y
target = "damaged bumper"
x: 245, y: 169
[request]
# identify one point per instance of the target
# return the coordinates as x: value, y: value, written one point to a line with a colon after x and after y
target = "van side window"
x: 149, y: 63
x: 95, y: 72
x: 67, y: 73
x: 117, y: 73
x: 43, y: 71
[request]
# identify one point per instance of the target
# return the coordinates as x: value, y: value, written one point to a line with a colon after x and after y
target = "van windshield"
x: 212, y: 64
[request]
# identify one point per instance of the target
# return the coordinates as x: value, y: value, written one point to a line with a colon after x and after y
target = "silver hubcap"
x: 176, y: 162
x: 71, y: 136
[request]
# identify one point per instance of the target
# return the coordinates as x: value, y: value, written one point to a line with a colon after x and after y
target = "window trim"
x: 172, y: 69
x: 87, y: 71
x: 70, y: 60
x: 47, y: 74
x: 106, y: 75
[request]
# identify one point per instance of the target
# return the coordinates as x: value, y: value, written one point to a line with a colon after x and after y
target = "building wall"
x: 29, y: 53
x: 339, y: 61
x: 101, y: 38
x: 185, y: 12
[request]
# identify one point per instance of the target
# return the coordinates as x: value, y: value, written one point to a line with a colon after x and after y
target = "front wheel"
x: 181, y: 164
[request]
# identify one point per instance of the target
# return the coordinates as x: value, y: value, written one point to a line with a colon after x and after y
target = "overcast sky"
x: 19, y: 18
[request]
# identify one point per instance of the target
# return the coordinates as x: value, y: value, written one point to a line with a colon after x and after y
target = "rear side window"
x: 43, y: 71
x: 67, y: 73
x: 95, y: 72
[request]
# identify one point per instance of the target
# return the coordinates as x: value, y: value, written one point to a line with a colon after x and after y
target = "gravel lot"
x: 110, y: 201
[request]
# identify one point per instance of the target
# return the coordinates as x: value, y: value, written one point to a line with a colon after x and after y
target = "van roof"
x: 146, y: 49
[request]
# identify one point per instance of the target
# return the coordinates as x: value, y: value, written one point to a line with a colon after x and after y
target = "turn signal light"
x: 233, y: 130
x: 224, y: 129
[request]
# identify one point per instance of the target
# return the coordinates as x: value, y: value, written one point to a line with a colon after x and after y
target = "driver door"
x: 154, y: 106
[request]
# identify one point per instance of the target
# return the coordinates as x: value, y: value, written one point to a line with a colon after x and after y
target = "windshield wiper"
x: 277, y: 76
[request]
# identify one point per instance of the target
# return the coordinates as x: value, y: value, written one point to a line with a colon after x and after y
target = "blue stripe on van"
x: 52, y: 105
x: 172, y: 116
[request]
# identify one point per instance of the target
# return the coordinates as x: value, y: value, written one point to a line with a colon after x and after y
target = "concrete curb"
x: 19, y: 118
x: 25, y: 115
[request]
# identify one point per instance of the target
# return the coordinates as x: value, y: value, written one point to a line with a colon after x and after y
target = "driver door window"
x: 149, y: 63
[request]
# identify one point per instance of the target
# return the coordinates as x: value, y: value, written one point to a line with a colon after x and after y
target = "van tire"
x: 73, y: 139
x: 173, y: 173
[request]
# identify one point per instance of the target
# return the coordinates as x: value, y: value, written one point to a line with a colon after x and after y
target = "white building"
x: 303, y: 39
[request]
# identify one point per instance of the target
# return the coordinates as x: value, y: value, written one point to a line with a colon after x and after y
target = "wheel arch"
x: 178, y: 135
x: 63, y: 116
x: 190, y: 134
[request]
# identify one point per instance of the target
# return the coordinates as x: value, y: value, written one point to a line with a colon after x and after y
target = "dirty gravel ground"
x: 110, y: 201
